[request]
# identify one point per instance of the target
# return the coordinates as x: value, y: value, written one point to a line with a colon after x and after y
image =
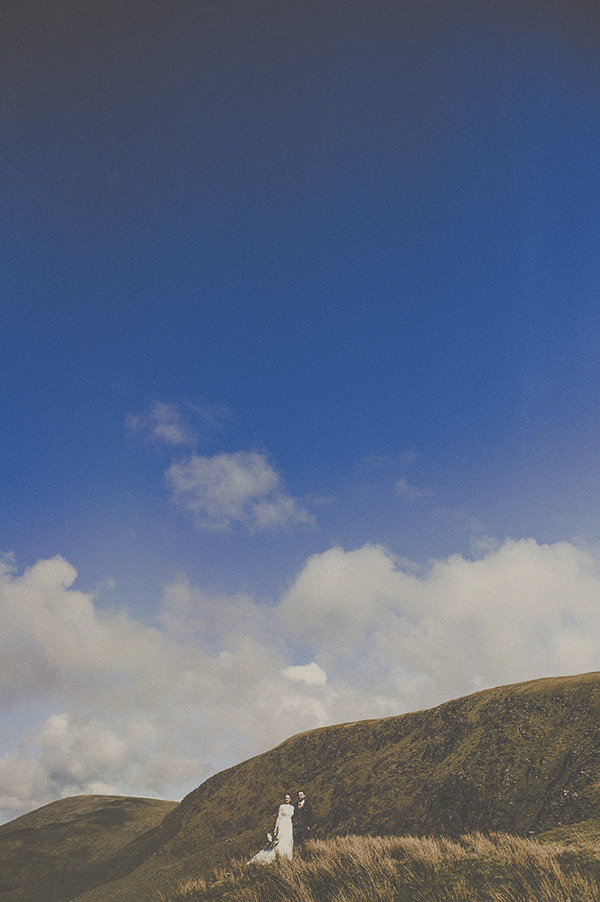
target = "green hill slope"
x: 66, y: 847
x: 523, y: 759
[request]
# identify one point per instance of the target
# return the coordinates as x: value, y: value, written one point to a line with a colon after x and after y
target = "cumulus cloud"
x: 306, y: 673
x: 111, y: 682
x: 164, y: 424
x: 52, y: 635
x: 227, y: 489
x: 113, y: 704
x: 223, y: 490
x: 522, y: 610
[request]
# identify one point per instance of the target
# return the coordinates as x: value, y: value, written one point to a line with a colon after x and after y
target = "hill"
x: 73, y: 844
x: 523, y: 759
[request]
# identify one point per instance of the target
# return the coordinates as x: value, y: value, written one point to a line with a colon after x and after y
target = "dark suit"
x: 302, y: 821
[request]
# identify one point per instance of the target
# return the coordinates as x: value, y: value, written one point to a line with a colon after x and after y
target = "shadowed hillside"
x: 63, y: 848
x: 522, y: 759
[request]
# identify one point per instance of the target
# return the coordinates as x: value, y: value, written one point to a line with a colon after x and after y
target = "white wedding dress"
x: 285, y: 832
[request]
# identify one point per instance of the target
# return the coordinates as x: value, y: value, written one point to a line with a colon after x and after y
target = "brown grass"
x: 475, y: 868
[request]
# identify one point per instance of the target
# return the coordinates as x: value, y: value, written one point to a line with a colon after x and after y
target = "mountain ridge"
x: 522, y: 758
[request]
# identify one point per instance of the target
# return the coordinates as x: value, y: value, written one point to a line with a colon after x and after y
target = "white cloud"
x: 114, y: 705
x: 522, y: 611
x: 228, y: 489
x: 51, y: 634
x: 306, y: 673
x: 223, y: 490
x: 337, y: 595
x: 164, y: 424
x: 106, y: 703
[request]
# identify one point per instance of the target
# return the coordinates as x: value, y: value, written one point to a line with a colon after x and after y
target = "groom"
x: 302, y: 820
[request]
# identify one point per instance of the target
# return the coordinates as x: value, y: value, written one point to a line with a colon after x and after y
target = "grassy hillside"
x: 473, y: 868
x: 522, y: 759
x: 68, y: 846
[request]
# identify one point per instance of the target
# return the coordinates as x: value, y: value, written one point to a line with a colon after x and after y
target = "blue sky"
x: 297, y: 298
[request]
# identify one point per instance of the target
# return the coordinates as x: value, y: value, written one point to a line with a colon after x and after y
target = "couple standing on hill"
x: 292, y: 828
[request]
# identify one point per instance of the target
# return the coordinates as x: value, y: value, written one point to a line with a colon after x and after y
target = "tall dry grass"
x: 474, y: 868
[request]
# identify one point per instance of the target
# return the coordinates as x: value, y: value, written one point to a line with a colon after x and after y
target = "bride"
x: 283, y: 842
